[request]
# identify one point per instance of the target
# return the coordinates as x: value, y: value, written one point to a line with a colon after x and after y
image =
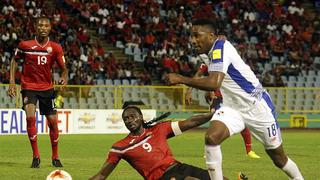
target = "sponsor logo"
x: 33, y: 137
x: 114, y: 118
x: 216, y: 54
x: 87, y: 121
x: 33, y: 47
x: 49, y: 49
x: 132, y: 141
x: 87, y: 118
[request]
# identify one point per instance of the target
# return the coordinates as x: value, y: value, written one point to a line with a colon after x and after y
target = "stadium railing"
x: 165, y: 98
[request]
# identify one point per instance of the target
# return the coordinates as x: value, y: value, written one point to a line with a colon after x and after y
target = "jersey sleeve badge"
x: 216, y: 54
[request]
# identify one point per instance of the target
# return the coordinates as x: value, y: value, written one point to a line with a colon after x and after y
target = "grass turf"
x: 83, y: 155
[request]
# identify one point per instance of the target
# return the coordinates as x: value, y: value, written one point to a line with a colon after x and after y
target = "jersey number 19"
x: 42, y: 60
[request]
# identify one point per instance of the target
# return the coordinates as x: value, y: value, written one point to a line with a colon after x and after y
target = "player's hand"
x: 188, y: 97
x: 209, y: 96
x: 12, y: 91
x: 172, y: 79
x: 63, y: 82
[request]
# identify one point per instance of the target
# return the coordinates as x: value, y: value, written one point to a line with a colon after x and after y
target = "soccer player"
x: 39, y: 56
x: 210, y: 95
x: 147, y: 150
x: 245, y: 102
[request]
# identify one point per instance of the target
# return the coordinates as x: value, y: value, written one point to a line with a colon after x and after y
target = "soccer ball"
x: 59, y: 175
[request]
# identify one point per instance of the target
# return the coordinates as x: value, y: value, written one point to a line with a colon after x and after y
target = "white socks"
x: 291, y: 169
x: 214, y: 162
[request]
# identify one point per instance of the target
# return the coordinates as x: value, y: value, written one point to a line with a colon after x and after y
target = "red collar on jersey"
x: 35, y: 38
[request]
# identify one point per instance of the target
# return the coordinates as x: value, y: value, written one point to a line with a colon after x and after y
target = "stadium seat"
x: 275, y: 60
x: 119, y: 44
x: 125, y: 82
x: 138, y: 58
x: 309, y: 84
x: 134, y: 82
x: 312, y: 73
x: 100, y: 82
x: 137, y: 50
x: 284, y: 79
x: 303, y: 72
x: 292, y: 79
x: 253, y: 40
x: 117, y: 82
x: 93, y: 106
x: 310, y: 78
x: 91, y: 100
x: 300, y: 84
x: 128, y: 51
x: 108, y: 81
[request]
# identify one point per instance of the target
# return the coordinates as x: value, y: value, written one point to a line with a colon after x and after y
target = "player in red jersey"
x: 147, y: 150
x: 203, y: 69
x: 39, y: 56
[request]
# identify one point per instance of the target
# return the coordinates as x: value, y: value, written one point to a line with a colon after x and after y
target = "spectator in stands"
x: 267, y: 79
x: 264, y: 55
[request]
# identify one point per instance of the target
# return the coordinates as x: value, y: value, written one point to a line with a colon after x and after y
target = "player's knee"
x: 212, y: 139
x: 278, y: 156
x: 280, y: 162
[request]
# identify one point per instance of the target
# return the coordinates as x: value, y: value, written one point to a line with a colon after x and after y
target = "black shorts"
x: 181, y: 171
x: 46, y: 100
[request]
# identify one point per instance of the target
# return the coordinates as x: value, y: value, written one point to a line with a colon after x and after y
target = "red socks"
x: 247, y: 139
x: 54, y: 136
x: 32, y: 134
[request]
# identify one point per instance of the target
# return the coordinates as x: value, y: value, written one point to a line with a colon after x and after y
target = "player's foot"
x: 241, y: 176
x: 56, y: 163
x: 35, y: 162
x: 253, y: 155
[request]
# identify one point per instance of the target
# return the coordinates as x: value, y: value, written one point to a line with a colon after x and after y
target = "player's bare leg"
x: 54, y: 138
x: 282, y: 161
x: 247, y: 142
x: 30, y: 110
x: 216, y: 134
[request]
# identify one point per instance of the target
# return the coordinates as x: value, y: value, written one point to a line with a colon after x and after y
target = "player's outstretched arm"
x: 209, y: 83
x: 12, y: 83
x: 194, y: 121
x: 104, y: 172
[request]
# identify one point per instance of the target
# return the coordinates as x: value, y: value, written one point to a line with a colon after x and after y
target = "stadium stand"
x: 280, y: 42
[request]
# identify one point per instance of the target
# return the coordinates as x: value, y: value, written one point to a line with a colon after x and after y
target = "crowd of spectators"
x: 275, y: 38
x: 87, y: 60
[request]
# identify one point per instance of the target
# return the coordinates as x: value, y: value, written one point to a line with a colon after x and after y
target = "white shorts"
x: 259, y: 119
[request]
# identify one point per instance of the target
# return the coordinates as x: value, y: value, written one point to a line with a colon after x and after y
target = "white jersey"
x: 240, y: 88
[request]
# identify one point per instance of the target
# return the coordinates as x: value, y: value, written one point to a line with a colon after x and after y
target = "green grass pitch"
x: 83, y: 155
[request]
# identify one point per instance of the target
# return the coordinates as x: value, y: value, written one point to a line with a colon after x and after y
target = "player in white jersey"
x: 246, y: 103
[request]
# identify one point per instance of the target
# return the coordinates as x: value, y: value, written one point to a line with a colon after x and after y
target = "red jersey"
x: 37, y: 63
x: 148, y: 153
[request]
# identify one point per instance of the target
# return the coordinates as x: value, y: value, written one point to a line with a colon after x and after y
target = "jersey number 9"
x: 147, y: 147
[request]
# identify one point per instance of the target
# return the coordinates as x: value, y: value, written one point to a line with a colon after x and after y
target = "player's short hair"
x: 131, y: 107
x: 209, y: 23
x: 42, y: 17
